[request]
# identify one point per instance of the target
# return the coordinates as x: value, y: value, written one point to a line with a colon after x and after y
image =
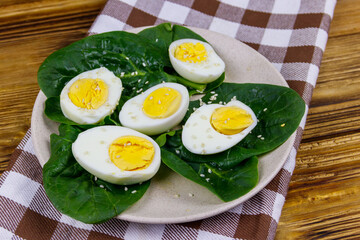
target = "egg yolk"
x: 88, y: 93
x: 230, y: 120
x: 162, y: 103
x: 189, y: 52
x: 131, y: 153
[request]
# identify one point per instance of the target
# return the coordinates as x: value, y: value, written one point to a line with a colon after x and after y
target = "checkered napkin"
x: 291, y: 34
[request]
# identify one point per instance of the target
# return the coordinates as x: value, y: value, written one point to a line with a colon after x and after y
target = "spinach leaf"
x: 161, y: 139
x: 140, y: 63
x: 279, y: 111
x: 75, y: 192
x: 164, y: 34
x: 226, y: 184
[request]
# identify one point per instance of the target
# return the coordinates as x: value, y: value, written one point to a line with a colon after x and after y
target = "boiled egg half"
x: 195, y: 60
x: 91, y: 96
x: 117, y: 155
x: 215, y: 128
x: 156, y: 110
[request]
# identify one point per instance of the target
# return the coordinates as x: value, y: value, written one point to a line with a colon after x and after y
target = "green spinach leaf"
x: 137, y: 59
x: 226, y: 184
x: 75, y: 192
x: 279, y: 111
x: 164, y: 34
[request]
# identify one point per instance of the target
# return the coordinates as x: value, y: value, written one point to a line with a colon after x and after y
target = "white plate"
x: 160, y: 203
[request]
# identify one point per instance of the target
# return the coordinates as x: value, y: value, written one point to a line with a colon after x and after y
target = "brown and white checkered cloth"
x: 291, y: 34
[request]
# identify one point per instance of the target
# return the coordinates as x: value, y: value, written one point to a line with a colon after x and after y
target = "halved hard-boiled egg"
x: 91, y: 96
x: 195, y: 60
x: 117, y: 155
x: 157, y: 110
x: 215, y: 128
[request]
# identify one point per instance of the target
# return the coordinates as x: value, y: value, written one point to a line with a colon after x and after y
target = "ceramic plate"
x: 172, y: 198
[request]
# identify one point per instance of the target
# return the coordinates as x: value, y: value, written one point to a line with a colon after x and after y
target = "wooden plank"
x: 329, y: 120
x: 339, y: 78
x: 346, y: 18
x: 323, y: 199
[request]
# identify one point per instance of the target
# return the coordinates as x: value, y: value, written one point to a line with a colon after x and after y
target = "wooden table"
x: 324, y: 195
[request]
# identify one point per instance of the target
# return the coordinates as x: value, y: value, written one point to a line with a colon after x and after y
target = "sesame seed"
x: 126, y: 58
x: 151, y: 97
x: 102, y: 186
x: 125, y: 188
x: 177, y: 151
x: 282, y: 125
x: 144, y: 64
x: 191, y: 194
x: 259, y: 136
x: 265, y: 109
x: 262, y: 138
x: 134, y: 191
x: 139, y: 80
x: 212, y: 92
x: 209, y: 170
x: 156, y: 40
x: 207, y: 179
x: 117, y: 156
x: 202, y: 175
x: 95, y: 178
x: 147, y: 82
x: 159, y: 102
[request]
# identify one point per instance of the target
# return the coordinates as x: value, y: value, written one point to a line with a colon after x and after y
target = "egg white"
x: 203, y: 72
x: 199, y: 136
x: 132, y: 115
x: 92, y: 116
x: 91, y: 151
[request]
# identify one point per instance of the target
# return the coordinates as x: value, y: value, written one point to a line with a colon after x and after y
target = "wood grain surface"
x: 323, y: 200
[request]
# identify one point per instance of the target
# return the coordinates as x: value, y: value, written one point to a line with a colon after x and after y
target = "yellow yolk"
x: 230, y: 120
x: 88, y: 93
x: 189, y: 52
x: 131, y: 153
x: 162, y: 103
